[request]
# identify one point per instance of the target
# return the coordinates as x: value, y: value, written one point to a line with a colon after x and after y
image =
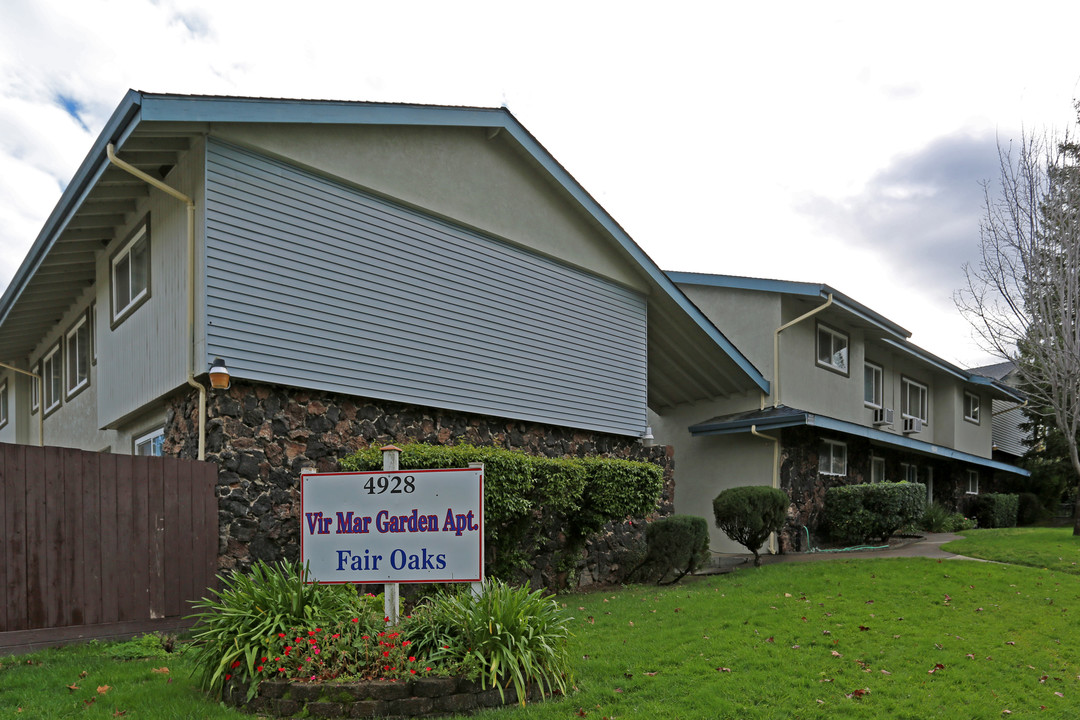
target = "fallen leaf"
x: 723, y: 669
x: 72, y: 687
x: 787, y: 594
x: 1044, y: 678
x: 1009, y: 642
x: 82, y: 674
x: 769, y: 639
x: 858, y: 693
x: 794, y: 647
x: 886, y: 672
x: 836, y: 654
x: 618, y: 690
x: 102, y: 689
x: 119, y: 713
x: 863, y: 628
x: 1061, y: 695
x: 826, y: 632
x: 90, y: 701
x: 821, y: 702
x: 581, y: 711
x: 970, y: 656
x: 650, y: 674
x: 162, y: 670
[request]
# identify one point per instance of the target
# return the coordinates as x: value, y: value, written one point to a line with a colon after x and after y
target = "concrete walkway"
x: 928, y: 546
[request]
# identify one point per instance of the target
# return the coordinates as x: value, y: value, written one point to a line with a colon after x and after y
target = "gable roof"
x: 889, y: 332
x: 689, y: 358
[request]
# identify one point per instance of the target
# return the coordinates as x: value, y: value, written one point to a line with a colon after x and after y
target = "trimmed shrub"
x: 994, y: 510
x: 678, y: 543
x: 528, y: 500
x: 1030, y: 510
x: 749, y: 514
x: 860, y: 513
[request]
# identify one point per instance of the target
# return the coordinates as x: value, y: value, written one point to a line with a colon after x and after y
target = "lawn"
x: 889, y: 638
x: 1053, y: 548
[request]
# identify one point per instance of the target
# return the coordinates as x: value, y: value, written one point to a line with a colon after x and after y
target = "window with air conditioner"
x: 832, y: 458
x: 873, y: 385
x: 914, y: 400
x: 832, y: 349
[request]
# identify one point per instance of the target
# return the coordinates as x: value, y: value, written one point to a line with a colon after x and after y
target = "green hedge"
x: 677, y: 543
x: 749, y: 514
x: 995, y: 510
x: 860, y: 513
x: 528, y: 500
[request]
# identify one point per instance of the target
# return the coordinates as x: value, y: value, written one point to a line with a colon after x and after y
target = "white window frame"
x: 832, y: 458
x: 155, y: 437
x: 877, y: 382
x: 122, y: 307
x: 829, y: 361
x: 972, y: 406
x: 972, y: 482
x: 906, y: 386
x: 3, y: 403
x: 93, y: 333
x: 77, y: 351
x: 877, y: 469
x: 909, y: 472
x: 35, y: 388
x: 52, y: 376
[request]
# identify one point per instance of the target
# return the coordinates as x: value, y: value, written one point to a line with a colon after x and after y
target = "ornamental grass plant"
x: 506, y: 635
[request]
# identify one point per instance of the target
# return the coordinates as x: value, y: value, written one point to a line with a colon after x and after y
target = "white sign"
x: 400, y: 526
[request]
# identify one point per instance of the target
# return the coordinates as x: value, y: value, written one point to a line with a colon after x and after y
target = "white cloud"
x: 706, y: 129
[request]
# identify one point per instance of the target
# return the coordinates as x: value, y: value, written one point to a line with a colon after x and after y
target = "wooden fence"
x: 92, y: 540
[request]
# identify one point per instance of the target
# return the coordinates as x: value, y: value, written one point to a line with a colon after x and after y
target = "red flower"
x: 335, y: 636
x: 281, y: 669
x: 407, y: 642
x: 259, y: 669
x: 412, y: 671
x: 428, y: 669
x: 412, y: 658
x: 236, y: 664
x: 310, y: 632
x: 281, y: 635
x: 228, y: 677
x: 356, y: 620
x: 264, y: 659
x: 386, y: 653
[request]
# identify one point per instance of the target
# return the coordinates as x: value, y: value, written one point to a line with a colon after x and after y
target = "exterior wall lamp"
x: 219, y: 375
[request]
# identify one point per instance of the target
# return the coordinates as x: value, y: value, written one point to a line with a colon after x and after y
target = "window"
x: 971, y: 407
x: 832, y: 349
x: 151, y: 443
x: 873, y: 392
x: 972, y: 482
x: 93, y: 333
x: 3, y: 403
x: 52, y: 375
x: 832, y: 458
x: 35, y: 401
x: 909, y: 472
x: 77, y: 352
x: 913, y: 400
x: 131, y: 273
x: 877, y: 469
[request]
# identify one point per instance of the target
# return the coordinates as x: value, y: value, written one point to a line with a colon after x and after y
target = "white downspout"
x: 775, y: 473
x: 776, y: 347
x: 111, y: 151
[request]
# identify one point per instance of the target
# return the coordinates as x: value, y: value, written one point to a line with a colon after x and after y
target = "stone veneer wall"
x: 261, y: 436
x: 805, y: 486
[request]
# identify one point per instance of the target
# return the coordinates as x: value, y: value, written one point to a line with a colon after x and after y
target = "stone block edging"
x: 419, y: 698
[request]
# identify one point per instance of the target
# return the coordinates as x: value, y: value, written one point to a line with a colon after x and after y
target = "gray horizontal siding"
x: 1008, y: 437
x: 312, y: 283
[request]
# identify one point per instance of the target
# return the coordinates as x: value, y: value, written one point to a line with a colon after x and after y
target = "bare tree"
x: 1023, y: 296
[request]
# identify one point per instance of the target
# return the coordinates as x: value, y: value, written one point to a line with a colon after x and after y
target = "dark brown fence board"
x: 91, y: 538
x: 155, y: 529
x: 71, y: 557
x: 110, y: 550
x: 101, y: 541
x: 174, y: 543
x: 36, y: 517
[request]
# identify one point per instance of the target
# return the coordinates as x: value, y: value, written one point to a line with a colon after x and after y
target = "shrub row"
x: 528, y: 499
x: 860, y: 513
x: 994, y: 510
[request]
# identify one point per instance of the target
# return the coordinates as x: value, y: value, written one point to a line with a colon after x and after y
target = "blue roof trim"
x: 137, y: 107
x: 792, y: 288
x: 849, y: 428
x: 957, y: 372
x: 91, y: 168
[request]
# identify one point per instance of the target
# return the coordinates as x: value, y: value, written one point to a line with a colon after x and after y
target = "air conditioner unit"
x: 883, y: 416
x: 912, y: 425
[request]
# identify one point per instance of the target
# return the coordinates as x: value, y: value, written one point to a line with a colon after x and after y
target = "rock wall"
x: 261, y: 436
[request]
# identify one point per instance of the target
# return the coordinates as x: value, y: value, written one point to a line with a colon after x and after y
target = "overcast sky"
x: 841, y: 143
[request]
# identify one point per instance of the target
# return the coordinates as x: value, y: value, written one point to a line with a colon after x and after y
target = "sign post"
x: 393, y: 526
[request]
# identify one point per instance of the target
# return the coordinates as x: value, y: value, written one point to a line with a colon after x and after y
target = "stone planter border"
x: 419, y: 698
